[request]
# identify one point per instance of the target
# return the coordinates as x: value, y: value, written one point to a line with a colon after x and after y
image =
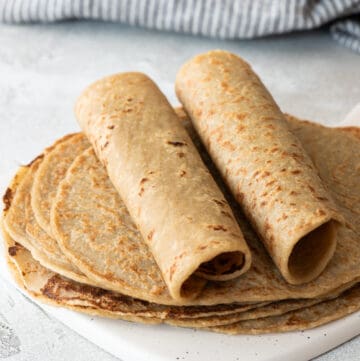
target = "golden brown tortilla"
x: 170, y: 194
x: 57, y: 159
x: 50, y: 288
x: 264, y: 165
x: 20, y: 223
x: 88, y: 194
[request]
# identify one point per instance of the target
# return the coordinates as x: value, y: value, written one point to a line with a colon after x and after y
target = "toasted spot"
x: 312, y: 189
x: 296, y: 171
x: 176, y: 144
x: 270, y: 183
x: 150, y: 235
x: 181, y: 155
x: 7, y: 199
x: 221, y: 203
x: 172, y: 271
x: 217, y: 227
x: 322, y: 198
x: 13, y: 250
x: 34, y: 160
x: 226, y: 214
x: 143, y: 180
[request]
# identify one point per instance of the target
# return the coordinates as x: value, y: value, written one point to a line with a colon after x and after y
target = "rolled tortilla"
x: 170, y: 194
x: 262, y: 162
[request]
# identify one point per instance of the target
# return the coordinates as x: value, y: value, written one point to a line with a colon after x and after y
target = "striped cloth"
x: 227, y: 19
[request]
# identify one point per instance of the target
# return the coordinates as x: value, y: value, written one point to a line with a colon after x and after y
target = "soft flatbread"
x: 170, y: 194
x: 96, y: 199
x: 264, y: 165
x: 50, y: 288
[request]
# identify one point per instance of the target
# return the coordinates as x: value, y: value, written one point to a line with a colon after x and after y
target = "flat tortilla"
x: 50, y: 288
x: 52, y: 169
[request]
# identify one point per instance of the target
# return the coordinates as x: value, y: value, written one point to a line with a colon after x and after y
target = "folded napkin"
x: 228, y: 19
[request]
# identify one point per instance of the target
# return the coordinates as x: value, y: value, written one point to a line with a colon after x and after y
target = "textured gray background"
x: 43, y: 69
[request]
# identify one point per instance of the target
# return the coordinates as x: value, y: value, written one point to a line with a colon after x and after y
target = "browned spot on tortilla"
x: 273, y: 150
x: 296, y: 171
x: 150, y: 235
x: 221, y: 203
x: 263, y: 203
x: 265, y: 174
x: 322, y: 198
x: 217, y: 227
x: 228, y: 145
x: 34, y: 160
x: 321, y: 212
x: 141, y: 192
x: 13, y: 250
x: 267, y: 226
x: 270, y: 183
x: 172, y: 271
x: 111, y: 126
x: 181, y: 155
x: 224, y: 85
x: 241, y: 116
x: 293, y: 193
x: 226, y: 214
x: 283, y: 170
x: 176, y: 144
x: 240, y: 128
x: 312, y: 189
x: 143, y: 180
x: 201, y: 248
x: 182, y: 173
x: 240, y: 196
x: 284, y: 216
x: 181, y: 255
x: 198, y: 112
x: 7, y: 199
x: 56, y: 285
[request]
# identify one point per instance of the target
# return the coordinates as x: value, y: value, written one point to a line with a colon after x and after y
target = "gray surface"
x: 43, y: 69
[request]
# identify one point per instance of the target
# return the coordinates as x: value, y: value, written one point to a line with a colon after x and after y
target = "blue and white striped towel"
x: 228, y: 19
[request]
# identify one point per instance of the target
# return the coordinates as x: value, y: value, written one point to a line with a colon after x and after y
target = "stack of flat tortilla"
x: 156, y: 217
